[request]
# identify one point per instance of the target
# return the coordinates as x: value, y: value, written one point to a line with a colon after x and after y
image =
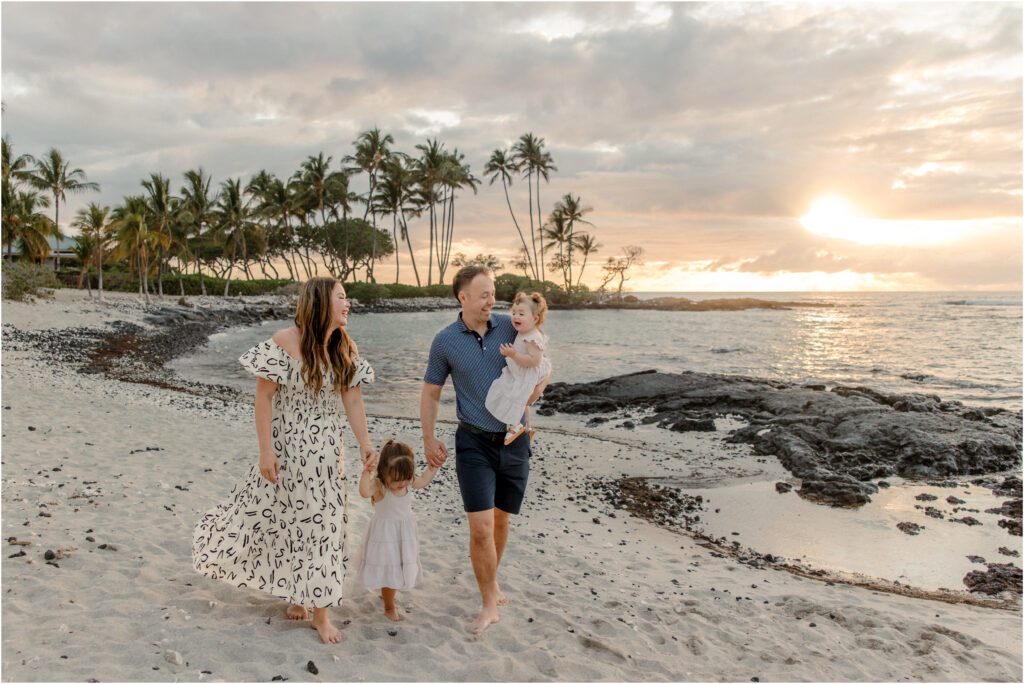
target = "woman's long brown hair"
x: 313, y: 319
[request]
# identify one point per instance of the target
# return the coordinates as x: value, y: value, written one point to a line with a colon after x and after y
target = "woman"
x: 283, y: 528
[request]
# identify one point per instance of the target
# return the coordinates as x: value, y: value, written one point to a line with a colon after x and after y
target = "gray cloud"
x: 702, y: 136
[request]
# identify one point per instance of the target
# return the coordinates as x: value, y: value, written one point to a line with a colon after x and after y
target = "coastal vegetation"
x: 250, y: 236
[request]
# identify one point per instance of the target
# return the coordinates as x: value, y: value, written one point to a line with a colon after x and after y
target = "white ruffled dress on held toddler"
x: 390, y: 555
x: 506, y: 399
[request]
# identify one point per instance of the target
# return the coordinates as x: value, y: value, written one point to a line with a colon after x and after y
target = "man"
x: 492, y: 476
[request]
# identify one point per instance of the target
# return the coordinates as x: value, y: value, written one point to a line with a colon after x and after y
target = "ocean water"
x: 959, y: 346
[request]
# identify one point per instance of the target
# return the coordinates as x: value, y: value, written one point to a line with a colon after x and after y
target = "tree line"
x: 305, y: 222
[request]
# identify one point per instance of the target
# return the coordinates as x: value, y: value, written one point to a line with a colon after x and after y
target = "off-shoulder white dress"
x: 287, y: 539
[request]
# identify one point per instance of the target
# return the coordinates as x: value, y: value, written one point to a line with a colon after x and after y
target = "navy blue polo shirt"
x: 474, y: 362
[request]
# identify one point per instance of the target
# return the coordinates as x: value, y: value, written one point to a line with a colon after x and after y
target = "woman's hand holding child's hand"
x: 369, y: 456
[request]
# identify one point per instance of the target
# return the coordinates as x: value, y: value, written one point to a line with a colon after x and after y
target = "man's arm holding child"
x: 539, y: 390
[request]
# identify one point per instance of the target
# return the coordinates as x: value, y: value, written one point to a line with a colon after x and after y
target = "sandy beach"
x: 105, y: 480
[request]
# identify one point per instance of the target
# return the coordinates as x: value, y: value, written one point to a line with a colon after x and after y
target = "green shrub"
x: 23, y: 278
x: 439, y: 290
x: 117, y: 280
x: 400, y: 291
x: 367, y: 292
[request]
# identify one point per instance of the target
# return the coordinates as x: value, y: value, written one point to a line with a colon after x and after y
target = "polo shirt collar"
x: 464, y: 328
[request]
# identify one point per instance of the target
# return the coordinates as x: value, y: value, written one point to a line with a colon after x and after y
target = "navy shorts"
x: 491, y: 475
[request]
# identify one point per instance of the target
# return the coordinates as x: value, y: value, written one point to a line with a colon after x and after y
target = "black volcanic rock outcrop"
x: 835, y: 441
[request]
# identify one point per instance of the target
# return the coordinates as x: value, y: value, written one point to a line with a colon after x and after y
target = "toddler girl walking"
x: 525, y: 367
x: 390, y: 557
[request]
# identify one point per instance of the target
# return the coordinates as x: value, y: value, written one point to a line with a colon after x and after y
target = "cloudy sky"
x: 746, y: 147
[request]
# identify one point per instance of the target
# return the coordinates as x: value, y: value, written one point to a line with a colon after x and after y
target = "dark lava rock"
x: 846, y: 434
x: 976, y: 559
x: 1011, y: 486
x: 909, y: 528
x: 1011, y: 526
x: 783, y: 487
x: 628, y: 424
x: 49, y: 555
x: 1011, y: 508
x: 933, y: 512
x: 966, y: 520
x: 952, y: 500
x: 1009, y: 552
x: 882, y: 484
x: 999, y: 577
x: 596, y: 420
x: 924, y: 496
x: 311, y: 668
x: 838, y: 492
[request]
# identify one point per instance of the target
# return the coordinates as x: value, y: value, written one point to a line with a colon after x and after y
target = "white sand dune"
x: 611, y: 599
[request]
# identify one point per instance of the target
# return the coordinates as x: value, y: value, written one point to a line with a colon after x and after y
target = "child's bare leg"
x: 329, y: 634
x: 296, y: 612
x: 389, y: 604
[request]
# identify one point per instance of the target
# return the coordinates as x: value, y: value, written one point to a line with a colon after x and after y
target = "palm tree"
x: 570, y: 208
x: 500, y: 165
x: 198, y: 207
x: 232, y: 214
x: 53, y: 174
x: 84, y: 249
x: 14, y: 167
x: 586, y: 244
x: 524, y: 150
x: 429, y: 171
x: 556, y: 233
x: 161, y: 211
x: 394, y: 194
x: 455, y: 175
x: 25, y: 224
x: 371, y: 151
x: 94, y: 223
x: 134, y: 238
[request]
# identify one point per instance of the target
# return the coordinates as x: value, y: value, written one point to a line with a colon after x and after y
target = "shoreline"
x: 680, y: 403
x: 626, y: 593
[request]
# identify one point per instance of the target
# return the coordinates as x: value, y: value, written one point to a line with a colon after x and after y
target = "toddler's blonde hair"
x: 537, y: 304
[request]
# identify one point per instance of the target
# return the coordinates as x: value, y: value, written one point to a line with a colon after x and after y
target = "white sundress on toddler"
x: 506, y: 399
x: 390, y: 555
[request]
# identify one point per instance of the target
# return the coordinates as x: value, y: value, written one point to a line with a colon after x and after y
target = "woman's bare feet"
x: 296, y: 612
x: 486, y: 618
x: 393, y: 614
x: 329, y: 634
x: 502, y: 599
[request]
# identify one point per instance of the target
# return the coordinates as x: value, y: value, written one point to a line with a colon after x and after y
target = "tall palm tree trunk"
x: 533, y: 238
x: 231, y: 266
x: 430, y: 248
x: 99, y: 269
x: 160, y: 272
x: 408, y: 242
x: 56, y: 226
x: 508, y: 201
x: 538, y: 228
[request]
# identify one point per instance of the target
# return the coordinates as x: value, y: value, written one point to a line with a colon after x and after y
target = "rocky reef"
x: 837, y: 441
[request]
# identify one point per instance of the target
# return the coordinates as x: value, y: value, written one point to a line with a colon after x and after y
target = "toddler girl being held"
x: 390, y: 558
x: 526, y: 365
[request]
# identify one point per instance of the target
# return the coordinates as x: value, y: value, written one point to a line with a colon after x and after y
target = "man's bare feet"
x: 295, y: 612
x: 393, y: 614
x: 329, y: 634
x: 487, y: 617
